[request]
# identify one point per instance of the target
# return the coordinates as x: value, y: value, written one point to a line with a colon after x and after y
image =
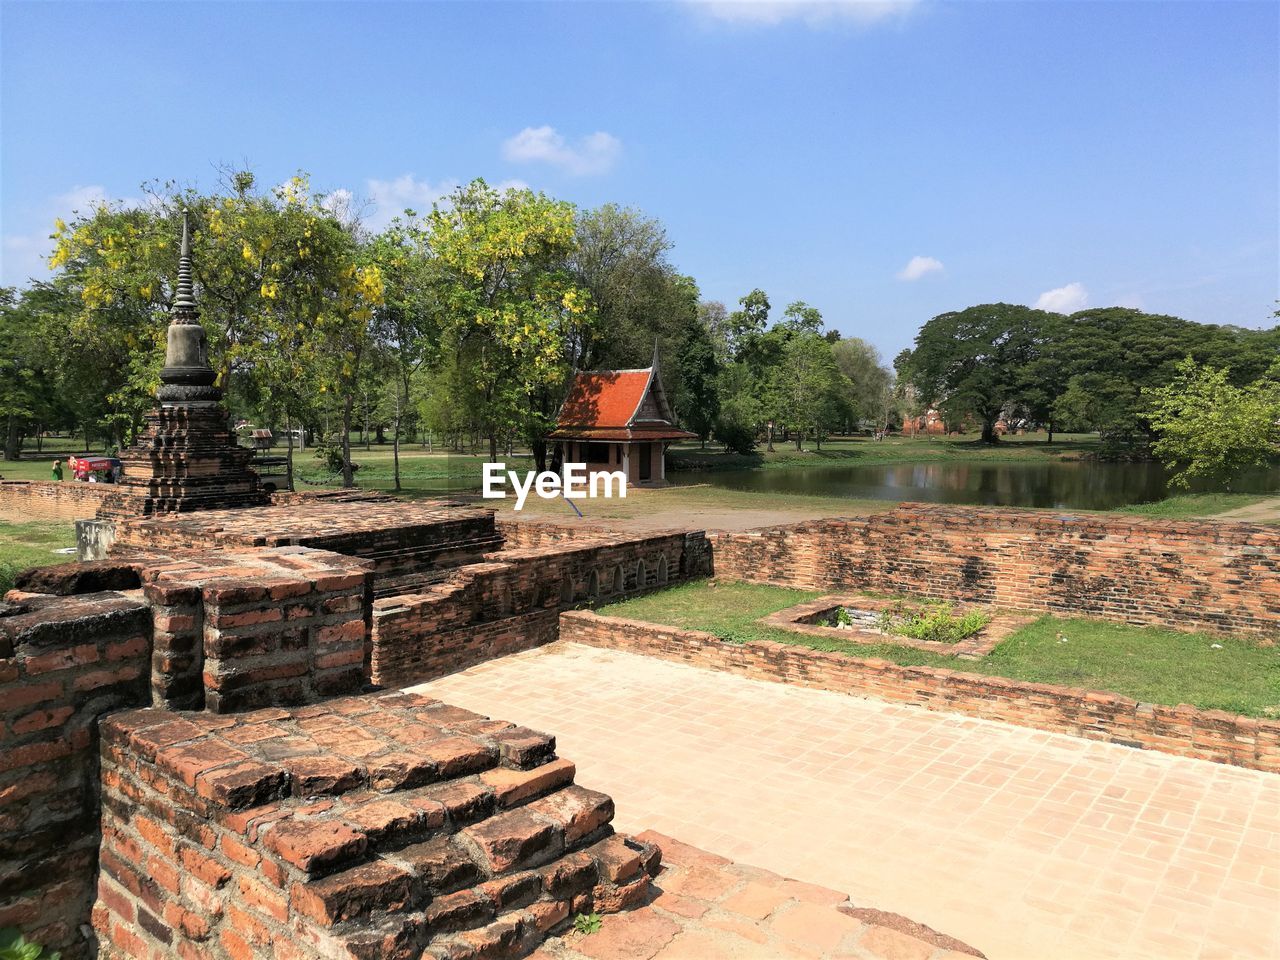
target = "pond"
x: 1072, y: 485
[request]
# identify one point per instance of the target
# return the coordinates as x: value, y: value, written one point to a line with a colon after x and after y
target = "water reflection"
x: 1087, y: 485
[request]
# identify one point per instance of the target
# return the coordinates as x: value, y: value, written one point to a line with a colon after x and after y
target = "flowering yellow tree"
x: 281, y: 286
x: 510, y: 304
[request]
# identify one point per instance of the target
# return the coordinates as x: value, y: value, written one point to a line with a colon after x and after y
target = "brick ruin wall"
x: 234, y: 630
x: 511, y: 602
x: 64, y: 661
x: 23, y: 500
x: 1206, y: 575
x: 1095, y: 715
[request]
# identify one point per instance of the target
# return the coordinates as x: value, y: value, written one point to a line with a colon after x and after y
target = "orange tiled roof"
x: 605, y: 398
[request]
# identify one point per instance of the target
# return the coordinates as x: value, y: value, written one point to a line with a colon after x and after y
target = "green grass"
x: 1194, y: 505
x: 861, y: 450
x: 24, y: 545
x: 1147, y: 663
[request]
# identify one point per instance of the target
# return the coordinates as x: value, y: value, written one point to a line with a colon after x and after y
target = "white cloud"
x: 812, y: 12
x: 390, y: 198
x: 1066, y: 299
x: 918, y: 267
x: 25, y: 254
x: 595, y: 153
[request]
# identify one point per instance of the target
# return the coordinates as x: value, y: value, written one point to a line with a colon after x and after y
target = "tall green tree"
x: 974, y: 363
x: 1209, y: 428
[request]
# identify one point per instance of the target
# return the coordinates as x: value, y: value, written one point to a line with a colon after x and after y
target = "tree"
x: 697, y: 399
x: 511, y: 306
x: 748, y: 322
x: 1208, y: 428
x: 870, y: 382
x: 975, y: 362
x: 799, y: 317
x: 809, y: 388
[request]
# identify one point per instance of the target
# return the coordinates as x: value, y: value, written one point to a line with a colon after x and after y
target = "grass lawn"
x: 1147, y: 663
x: 1030, y: 448
x: 24, y: 545
x: 1191, y: 505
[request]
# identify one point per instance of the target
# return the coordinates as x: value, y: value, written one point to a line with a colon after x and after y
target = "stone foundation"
x: 369, y: 827
x: 1188, y: 575
x: 509, y: 603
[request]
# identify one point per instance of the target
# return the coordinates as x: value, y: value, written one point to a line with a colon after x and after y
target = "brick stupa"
x: 187, y: 457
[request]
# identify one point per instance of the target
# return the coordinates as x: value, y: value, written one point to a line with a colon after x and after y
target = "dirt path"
x: 1268, y: 511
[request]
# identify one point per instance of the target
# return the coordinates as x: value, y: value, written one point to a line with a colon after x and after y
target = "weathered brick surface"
x: 406, y: 544
x: 509, y: 602
x: 452, y: 863
x: 1182, y: 730
x: 23, y: 500
x: 238, y: 630
x: 64, y: 661
x: 1186, y: 574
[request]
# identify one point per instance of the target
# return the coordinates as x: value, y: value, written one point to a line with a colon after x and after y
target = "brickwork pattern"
x: 24, y: 500
x: 709, y: 908
x: 277, y: 626
x: 1095, y: 715
x: 1205, y: 575
x: 365, y: 827
x: 508, y: 603
x: 63, y: 662
x: 409, y: 544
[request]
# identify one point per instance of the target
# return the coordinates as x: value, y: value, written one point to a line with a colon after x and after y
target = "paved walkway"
x: 1023, y: 844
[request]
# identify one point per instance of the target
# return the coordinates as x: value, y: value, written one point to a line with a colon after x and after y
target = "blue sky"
x: 883, y: 161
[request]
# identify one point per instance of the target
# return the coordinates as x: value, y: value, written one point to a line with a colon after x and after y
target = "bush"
x: 736, y: 437
x: 934, y: 622
x: 13, y: 946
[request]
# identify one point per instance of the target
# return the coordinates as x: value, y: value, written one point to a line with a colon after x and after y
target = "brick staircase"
x: 381, y: 826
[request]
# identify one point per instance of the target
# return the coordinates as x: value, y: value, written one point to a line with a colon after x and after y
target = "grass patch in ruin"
x: 1150, y: 664
x: 24, y: 545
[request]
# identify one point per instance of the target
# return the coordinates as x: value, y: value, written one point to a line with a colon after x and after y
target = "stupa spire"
x: 184, y: 303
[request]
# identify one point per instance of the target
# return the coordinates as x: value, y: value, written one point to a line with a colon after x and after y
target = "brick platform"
x: 364, y: 827
x: 409, y: 544
x: 1093, y: 714
x: 63, y: 662
x: 706, y: 907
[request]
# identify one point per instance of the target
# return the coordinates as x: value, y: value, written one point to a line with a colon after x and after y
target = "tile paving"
x: 1022, y: 843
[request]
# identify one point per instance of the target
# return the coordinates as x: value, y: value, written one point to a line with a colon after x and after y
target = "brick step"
x: 435, y: 901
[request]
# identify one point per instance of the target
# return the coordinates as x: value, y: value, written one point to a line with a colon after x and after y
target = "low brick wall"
x: 22, y: 500
x: 1183, y: 730
x: 1203, y: 575
x: 509, y: 602
x: 64, y: 662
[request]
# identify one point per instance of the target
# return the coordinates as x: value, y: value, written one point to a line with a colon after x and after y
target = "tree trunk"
x: 11, y: 445
x: 288, y: 457
x: 1050, y: 440
x: 540, y: 454
x: 769, y: 438
x: 493, y: 447
x: 988, y: 431
x: 799, y: 440
x: 348, y: 476
x: 395, y: 448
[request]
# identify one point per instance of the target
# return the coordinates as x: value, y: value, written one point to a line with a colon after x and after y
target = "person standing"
x: 57, y: 469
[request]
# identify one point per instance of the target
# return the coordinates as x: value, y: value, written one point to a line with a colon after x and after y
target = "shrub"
x: 934, y: 622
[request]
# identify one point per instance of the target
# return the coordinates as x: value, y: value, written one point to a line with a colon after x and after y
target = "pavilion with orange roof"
x: 618, y: 420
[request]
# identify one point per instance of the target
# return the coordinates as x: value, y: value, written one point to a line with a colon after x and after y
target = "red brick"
x: 311, y: 845
x: 355, y: 892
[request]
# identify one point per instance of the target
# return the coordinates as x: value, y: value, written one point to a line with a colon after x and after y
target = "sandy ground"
x: 1268, y: 511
